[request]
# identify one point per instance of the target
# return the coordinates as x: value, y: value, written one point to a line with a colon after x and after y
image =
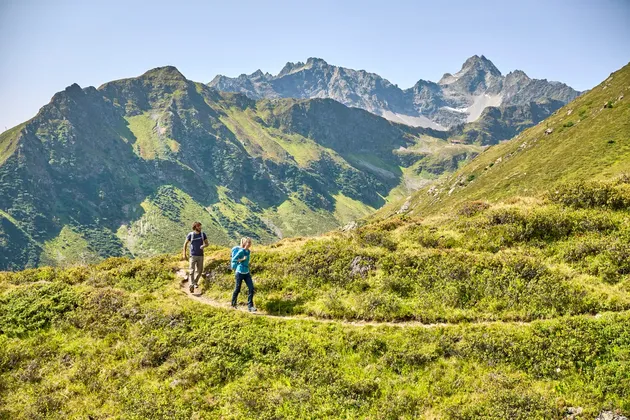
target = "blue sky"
x: 48, y: 45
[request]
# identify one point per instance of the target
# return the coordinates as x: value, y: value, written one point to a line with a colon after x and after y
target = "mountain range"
x: 124, y: 169
x: 454, y: 100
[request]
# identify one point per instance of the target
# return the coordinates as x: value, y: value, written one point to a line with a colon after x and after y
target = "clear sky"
x: 48, y: 45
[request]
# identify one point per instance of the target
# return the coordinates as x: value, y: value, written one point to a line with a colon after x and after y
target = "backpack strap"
x: 192, y: 236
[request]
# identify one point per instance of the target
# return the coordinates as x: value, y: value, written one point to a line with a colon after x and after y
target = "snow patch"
x: 481, y: 102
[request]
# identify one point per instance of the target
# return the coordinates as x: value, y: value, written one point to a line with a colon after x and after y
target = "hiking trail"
x: 182, y: 274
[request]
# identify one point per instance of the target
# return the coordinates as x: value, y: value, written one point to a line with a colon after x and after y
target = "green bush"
x: 615, y: 196
x: 428, y: 237
x: 509, y: 226
x: 472, y: 207
x: 612, y: 263
x: 373, y: 237
x: 32, y: 307
x: 578, y: 250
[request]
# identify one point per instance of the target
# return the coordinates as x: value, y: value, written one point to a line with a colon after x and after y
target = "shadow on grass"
x: 283, y: 306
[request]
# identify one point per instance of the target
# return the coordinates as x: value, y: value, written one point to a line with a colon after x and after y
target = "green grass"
x: 119, y: 340
x: 16, y: 257
x: 347, y: 209
x: 272, y: 143
x: 8, y: 142
x: 484, y: 262
x: 167, y: 218
x: 294, y: 218
x: 148, y: 143
x: 303, y: 150
x: 255, y: 138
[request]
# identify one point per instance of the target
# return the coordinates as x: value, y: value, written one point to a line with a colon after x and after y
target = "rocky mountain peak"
x: 72, y: 91
x: 290, y: 68
x: 455, y: 99
x: 475, y: 67
x: 445, y: 78
x: 518, y: 73
x: 480, y: 63
x: 516, y: 77
x: 316, y: 62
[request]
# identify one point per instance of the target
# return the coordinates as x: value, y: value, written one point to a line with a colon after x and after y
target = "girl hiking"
x: 240, y: 263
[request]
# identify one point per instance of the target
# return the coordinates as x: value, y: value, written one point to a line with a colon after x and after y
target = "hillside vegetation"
x: 120, y: 339
x: 524, y: 259
x: 587, y: 139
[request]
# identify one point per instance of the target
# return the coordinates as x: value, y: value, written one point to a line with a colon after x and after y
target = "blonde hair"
x: 245, y: 240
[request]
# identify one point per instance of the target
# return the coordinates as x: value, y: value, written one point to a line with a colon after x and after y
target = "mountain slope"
x: 456, y: 99
x: 588, y: 138
x: 126, y: 167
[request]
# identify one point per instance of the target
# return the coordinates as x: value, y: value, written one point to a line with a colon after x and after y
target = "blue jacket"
x: 243, y: 266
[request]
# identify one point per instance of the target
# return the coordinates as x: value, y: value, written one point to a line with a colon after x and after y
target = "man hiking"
x: 197, y: 240
x: 240, y: 260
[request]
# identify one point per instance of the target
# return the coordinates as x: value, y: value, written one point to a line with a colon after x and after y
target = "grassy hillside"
x: 121, y: 339
x: 587, y: 139
x: 523, y: 259
x: 520, y: 309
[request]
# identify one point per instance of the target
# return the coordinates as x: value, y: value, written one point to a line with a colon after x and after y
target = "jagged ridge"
x: 454, y: 100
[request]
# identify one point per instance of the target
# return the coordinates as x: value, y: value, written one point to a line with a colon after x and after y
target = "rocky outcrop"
x: 456, y: 99
x: 610, y: 415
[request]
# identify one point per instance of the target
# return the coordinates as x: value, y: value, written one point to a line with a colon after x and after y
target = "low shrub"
x: 510, y: 225
x: 373, y: 237
x: 32, y: 307
x: 428, y: 237
x: 612, y: 263
x: 578, y: 250
x: 611, y: 195
x: 471, y: 208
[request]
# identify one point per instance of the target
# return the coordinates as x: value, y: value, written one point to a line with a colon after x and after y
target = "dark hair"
x: 195, y: 225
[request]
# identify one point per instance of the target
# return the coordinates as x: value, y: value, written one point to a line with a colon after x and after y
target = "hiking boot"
x: 191, y: 288
x: 252, y: 309
x: 233, y: 307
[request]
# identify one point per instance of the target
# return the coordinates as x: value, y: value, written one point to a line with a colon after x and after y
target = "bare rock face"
x: 405, y: 207
x: 573, y: 413
x: 350, y: 226
x: 456, y: 99
x: 361, y: 266
x: 610, y: 415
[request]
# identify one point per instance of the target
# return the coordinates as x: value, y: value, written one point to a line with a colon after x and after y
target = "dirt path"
x: 226, y: 305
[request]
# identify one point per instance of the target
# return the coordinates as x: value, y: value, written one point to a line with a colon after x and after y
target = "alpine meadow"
x: 456, y: 250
